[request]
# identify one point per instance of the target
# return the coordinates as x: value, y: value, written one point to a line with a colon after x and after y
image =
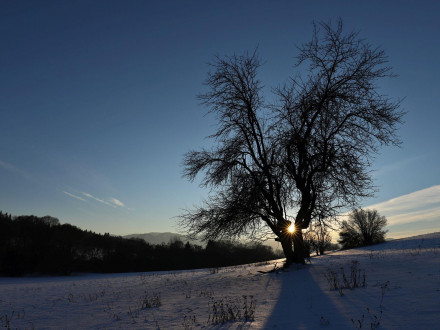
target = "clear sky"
x: 98, y: 102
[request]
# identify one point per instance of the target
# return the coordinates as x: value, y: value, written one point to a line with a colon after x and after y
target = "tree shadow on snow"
x: 302, y: 304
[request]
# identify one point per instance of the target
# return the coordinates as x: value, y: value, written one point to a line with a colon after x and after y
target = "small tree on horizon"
x: 318, y: 237
x: 364, y: 227
x: 302, y: 158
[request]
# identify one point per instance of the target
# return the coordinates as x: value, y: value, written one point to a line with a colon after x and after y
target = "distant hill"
x: 159, y: 238
x: 31, y: 245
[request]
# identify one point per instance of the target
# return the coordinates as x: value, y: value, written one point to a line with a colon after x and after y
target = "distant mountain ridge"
x: 167, y: 237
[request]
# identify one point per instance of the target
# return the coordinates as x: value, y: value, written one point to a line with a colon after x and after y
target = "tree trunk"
x: 299, y: 252
x: 286, y: 244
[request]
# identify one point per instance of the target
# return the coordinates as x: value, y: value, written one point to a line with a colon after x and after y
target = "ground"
x: 395, y: 285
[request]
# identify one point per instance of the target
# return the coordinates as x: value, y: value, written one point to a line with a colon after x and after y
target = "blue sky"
x: 98, y: 102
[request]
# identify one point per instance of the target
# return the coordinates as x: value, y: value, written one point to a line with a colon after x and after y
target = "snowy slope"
x: 402, y: 291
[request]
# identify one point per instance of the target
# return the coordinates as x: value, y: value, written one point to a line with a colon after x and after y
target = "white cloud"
x: 113, y: 202
x: 74, y: 196
x: 421, y: 205
x: 415, y: 216
x: 97, y: 199
x: 116, y: 202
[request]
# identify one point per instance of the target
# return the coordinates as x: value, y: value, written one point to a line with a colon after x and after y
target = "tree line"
x: 42, y: 245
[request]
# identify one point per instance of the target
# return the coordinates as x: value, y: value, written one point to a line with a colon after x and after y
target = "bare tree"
x: 318, y: 237
x: 306, y: 155
x: 245, y: 168
x: 364, y: 227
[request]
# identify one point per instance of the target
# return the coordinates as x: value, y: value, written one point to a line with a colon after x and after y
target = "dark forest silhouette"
x: 41, y: 245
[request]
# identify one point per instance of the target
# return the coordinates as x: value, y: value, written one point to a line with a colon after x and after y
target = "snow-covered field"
x: 396, y: 286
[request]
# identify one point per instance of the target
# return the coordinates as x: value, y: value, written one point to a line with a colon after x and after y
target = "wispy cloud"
x: 399, y: 165
x: 112, y: 202
x: 14, y: 169
x: 98, y: 199
x: 7, y: 166
x: 116, y: 202
x: 74, y: 196
x: 415, y: 216
x: 421, y: 205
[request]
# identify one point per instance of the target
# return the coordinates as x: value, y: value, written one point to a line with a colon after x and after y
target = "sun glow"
x: 291, y: 228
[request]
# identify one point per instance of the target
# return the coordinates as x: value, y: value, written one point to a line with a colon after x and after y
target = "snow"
x: 402, y: 291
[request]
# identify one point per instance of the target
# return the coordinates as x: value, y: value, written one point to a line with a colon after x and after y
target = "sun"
x: 291, y: 228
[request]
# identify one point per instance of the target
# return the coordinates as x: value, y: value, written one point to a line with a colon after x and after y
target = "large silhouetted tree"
x: 306, y: 156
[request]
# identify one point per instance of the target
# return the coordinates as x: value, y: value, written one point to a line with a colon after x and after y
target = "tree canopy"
x: 364, y: 227
x: 305, y: 156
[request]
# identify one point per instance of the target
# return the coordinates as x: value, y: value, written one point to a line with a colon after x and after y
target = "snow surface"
x: 402, y: 291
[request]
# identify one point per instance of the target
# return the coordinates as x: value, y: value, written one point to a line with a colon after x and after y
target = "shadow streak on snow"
x: 302, y: 304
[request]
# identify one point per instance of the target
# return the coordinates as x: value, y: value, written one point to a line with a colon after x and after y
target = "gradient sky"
x: 98, y: 102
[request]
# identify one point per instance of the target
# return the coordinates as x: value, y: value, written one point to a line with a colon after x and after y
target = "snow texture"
x: 395, y: 285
